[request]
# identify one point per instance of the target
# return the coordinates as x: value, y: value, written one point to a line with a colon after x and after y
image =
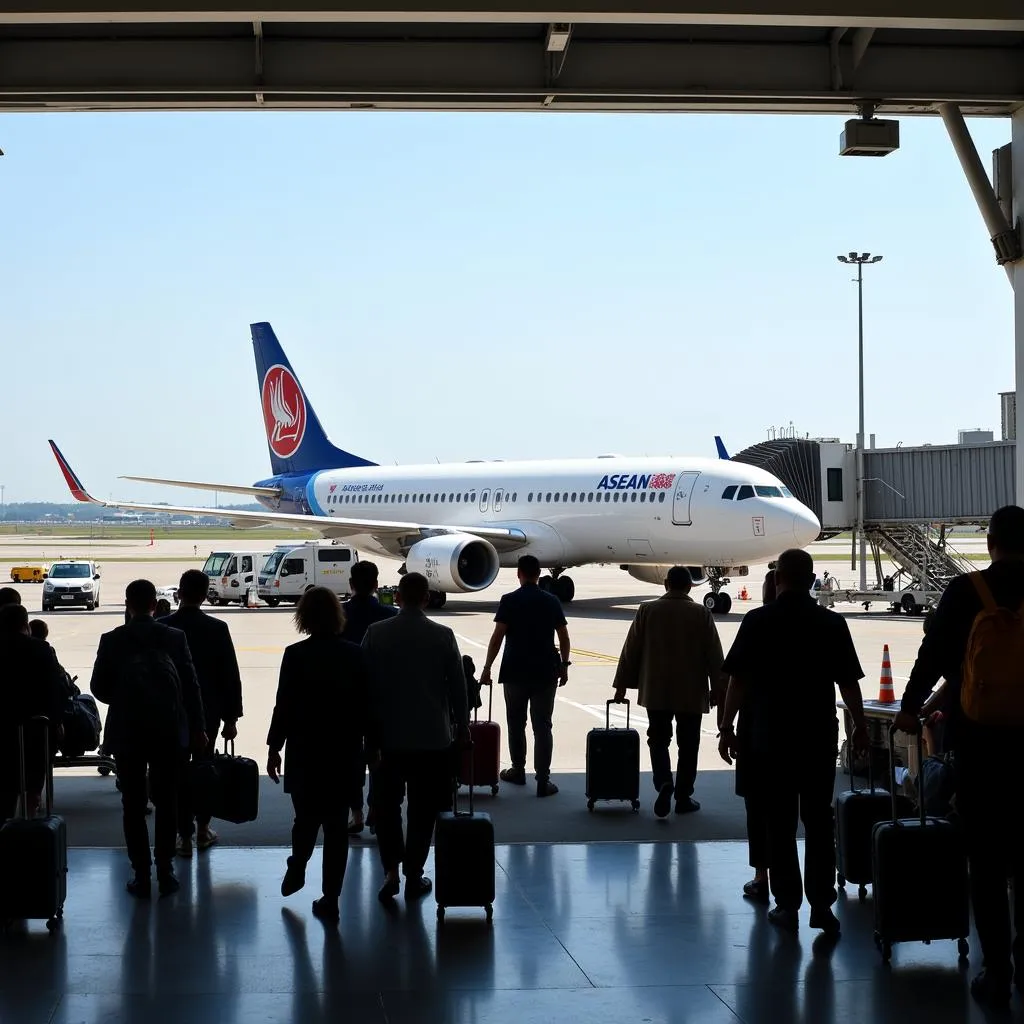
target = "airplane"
x: 459, y: 523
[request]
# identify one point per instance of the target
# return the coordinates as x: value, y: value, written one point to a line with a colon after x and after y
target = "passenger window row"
x: 469, y: 498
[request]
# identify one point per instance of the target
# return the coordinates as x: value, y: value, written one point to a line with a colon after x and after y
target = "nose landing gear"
x: 717, y: 602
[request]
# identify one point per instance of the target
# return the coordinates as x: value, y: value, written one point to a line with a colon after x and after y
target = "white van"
x: 292, y: 569
x: 232, y: 573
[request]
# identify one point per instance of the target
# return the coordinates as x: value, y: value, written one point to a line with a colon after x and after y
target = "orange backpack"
x: 992, y: 688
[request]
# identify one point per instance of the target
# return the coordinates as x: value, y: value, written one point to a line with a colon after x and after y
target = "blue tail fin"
x: 722, y: 453
x: 296, y: 440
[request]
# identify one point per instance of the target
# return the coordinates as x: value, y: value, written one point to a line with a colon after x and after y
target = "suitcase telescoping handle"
x: 920, y: 773
x: 463, y: 751
x: 229, y: 747
x: 490, y: 705
x: 44, y: 724
x: 608, y: 712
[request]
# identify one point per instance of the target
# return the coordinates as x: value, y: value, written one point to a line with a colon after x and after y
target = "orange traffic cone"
x: 886, y: 694
x: 744, y: 596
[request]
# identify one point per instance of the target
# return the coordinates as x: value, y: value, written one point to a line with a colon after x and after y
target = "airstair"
x: 921, y: 553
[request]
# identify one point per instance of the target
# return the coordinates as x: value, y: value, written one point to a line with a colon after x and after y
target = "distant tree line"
x: 36, y: 511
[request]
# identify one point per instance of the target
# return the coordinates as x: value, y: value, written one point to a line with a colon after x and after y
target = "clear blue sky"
x: 471, y: 286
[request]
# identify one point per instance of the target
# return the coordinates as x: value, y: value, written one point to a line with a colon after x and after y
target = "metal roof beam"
x: 189, y: 72
x: 990, y: 15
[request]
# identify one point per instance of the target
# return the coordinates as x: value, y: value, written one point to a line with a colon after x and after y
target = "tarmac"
x: 598, y: 619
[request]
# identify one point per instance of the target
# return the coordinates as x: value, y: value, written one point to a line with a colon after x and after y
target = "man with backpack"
x: 976, y: 642
x: 144, y: 672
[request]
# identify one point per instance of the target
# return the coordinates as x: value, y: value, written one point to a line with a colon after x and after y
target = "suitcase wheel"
x: 104, y: 770
x: 440, y: 913
x: 841, y: 880
x: 963, y: 947
x: 636, y: 806
x: 494, y: 790
x: 55, y: 922
x: 490, y: 914
x: 590, y: 806
x: 862, y: 893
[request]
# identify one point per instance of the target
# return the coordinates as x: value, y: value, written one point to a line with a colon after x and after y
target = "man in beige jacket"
x: 673, y: 656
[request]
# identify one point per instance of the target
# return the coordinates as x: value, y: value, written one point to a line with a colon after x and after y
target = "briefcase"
x: 225, y: 786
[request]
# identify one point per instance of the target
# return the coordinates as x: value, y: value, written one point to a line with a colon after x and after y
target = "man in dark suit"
x: 417, y: 688
x: 213, y: 655
x: 33, y: 685
x: 361, y: 611
x: 144, y: 672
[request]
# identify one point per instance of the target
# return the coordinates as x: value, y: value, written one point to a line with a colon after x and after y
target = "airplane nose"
x: 805, y: 527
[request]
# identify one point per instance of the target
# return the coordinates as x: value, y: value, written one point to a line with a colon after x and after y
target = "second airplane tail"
x: 295, y: 438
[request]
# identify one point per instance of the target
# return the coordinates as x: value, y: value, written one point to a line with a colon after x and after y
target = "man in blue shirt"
x: 531, y: 671
x: 362, y: 610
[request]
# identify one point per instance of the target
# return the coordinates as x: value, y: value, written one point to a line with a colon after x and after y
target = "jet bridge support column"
x: 1006, y: 239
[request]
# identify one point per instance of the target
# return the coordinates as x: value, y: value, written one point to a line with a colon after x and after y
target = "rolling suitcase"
x: 613, y: 762
x: 480, y: 761
x: 920, y: 879
x: 226, y: 787
x: 464, y: 857
x: 856, y: 813
x: 34, y: 852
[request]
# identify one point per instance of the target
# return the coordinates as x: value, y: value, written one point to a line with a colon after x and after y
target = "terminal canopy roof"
x: 779, y: 56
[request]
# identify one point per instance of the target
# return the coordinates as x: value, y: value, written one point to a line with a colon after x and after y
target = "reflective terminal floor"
x: 604, y: 933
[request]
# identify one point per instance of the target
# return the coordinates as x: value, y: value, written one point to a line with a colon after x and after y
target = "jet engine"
x: 454, y: 562
x: 656, y: 573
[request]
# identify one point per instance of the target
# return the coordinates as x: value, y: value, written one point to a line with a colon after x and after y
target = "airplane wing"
x: 266, y: 492
x: 329, y: 526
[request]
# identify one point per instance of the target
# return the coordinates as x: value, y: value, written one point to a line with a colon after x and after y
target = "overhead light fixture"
x: 558, y: 38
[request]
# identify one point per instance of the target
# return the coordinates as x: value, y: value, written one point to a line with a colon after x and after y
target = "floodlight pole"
x: 860, y: 259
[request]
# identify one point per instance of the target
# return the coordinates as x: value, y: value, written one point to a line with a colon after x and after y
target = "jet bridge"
x: 913, y: 496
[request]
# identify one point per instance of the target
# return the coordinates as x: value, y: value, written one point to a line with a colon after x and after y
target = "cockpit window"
x: 786, y: 492
x: 768, y: 492
x: 746, y: 491
x: 729, y: 493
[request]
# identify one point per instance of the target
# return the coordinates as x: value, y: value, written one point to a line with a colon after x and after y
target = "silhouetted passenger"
x: 527, y: 621
x: 672, y: 656
x: 320, y: 718
x: 786, y: 661
x: 362, y: 610
x: 8, y: 595
x: 144, y: 672
x: 754, y: 801
x: 417, y: 689
x: 39, y: 629
x: 989, y: 771
x: 33, y: 685
x: 216, y: 665
x: 163, y: 608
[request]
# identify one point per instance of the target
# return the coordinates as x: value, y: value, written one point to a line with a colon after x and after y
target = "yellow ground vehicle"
x: 28, y: 574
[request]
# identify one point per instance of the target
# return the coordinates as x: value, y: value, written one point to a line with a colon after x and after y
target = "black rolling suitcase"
x: 34, y: 852
x: 225, y: 786
x: 613, y: 762
x: 856, y: 813
x: 920, y: 879
x: 464, y: 857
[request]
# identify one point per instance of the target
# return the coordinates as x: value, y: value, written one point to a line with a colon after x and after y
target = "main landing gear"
x: 561, y: 586
x: 717, y: 602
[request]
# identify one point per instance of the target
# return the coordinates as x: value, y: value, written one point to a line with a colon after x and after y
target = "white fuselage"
x: 577, y: 511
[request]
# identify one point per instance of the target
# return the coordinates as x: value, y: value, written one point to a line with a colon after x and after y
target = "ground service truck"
x: 292, y: 569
